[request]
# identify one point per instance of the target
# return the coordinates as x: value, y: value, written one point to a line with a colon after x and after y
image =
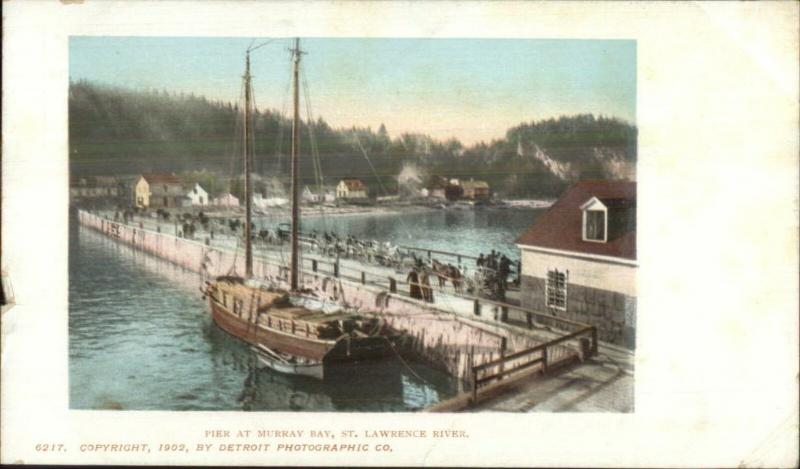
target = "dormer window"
x: 595, y: 221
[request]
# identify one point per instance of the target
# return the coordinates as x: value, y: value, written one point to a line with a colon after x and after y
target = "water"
x: 141, y: 338
x: 464, y: 231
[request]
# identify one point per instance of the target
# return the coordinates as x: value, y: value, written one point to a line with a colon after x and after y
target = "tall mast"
x: 248, y: 189
x: 295, y: 156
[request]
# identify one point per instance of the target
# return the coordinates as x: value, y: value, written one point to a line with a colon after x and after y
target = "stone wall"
x: 613, y: 313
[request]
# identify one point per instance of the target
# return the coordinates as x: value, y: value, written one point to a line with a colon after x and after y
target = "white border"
x: 716, y: 371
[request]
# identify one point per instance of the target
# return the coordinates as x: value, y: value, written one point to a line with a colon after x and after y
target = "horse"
x: 455, y: 277
x: 446, y: 272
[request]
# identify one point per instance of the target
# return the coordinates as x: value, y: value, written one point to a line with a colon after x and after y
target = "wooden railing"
x: 542, y: 354
x: 458, y: 256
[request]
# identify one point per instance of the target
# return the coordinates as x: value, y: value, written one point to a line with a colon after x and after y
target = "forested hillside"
x: 119, y: 131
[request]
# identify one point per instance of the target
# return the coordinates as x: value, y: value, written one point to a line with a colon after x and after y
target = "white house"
x: 197, y: 195
x: 225, y: 200
x: 351, y: 189
x: 579, y: 259
x: 309, y: 196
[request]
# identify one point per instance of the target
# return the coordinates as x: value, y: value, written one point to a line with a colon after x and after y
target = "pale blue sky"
x: 472, y: 89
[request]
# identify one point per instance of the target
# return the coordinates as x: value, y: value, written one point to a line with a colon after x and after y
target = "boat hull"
x: 345, y: 349
x: 312, y: 349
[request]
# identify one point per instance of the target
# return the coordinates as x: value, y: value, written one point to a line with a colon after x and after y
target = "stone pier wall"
x: 613, y: 313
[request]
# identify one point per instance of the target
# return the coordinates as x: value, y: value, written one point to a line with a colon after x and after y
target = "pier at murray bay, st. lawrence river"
x: 136, y: 312
x: 234, y: 253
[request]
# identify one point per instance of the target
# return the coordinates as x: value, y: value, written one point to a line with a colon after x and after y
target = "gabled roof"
x: 152, y: 178
x: 561, y: 226
x: 354, y: 184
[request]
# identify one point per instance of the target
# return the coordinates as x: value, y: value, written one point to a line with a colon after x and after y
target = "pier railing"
x: 456, y: 255
x: 481, y: 307
x: 547, y: 355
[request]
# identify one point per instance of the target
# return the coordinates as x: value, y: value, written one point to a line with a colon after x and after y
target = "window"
x: 594, y: 225
x: 595, y: 221
x: 556, y: 289
x: 237, y: 307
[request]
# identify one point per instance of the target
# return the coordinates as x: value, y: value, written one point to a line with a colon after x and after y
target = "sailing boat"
x: 286, y: 337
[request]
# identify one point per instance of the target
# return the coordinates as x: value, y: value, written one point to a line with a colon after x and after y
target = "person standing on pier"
x: 481, y: 260
x: 413, y: 284
x: 427, y: 291
x: 504, y: 271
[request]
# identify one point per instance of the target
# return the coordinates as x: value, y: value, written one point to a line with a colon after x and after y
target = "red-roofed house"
x: 158, y: 190
x: 579, y: 259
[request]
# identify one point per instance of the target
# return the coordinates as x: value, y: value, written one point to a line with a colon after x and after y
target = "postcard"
x: 381, y: 233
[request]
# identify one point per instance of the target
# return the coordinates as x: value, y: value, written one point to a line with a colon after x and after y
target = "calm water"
x: 464, y: 231
x: 140, y: 336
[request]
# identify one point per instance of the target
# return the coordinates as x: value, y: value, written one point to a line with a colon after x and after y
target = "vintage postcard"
x: 422, y: 239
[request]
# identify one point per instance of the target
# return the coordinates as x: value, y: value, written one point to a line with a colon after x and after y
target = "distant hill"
x: 120, y: 131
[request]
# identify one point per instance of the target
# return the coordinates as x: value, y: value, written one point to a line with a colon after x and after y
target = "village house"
x: 196, y: 195
x: 158, y: 190
x: 579, y: 259
x: 311, y: 197
x: 225, y: 200
x: 453, y: 190
x: 475, y: 190
x: 436, y: 186
x: 351, y: 189
x: 95, y: 187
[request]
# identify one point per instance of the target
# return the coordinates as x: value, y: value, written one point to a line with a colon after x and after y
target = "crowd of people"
x: 499, y: 265
x: 490, y: 277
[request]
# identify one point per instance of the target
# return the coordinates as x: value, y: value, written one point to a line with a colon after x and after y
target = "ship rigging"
x: 286, y: 336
